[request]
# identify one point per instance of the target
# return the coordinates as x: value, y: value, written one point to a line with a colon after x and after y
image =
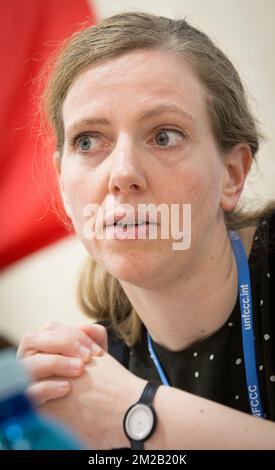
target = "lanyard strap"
x: 245, y: 299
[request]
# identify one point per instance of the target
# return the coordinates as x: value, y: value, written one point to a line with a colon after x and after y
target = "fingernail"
x: 85, y: 352
x: 63, y: 385
x: 75, y: 363
x: 95, y: 348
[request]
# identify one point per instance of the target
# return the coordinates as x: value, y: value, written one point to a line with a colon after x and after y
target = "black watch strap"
x: 148, y: 394
x: 137, y: 445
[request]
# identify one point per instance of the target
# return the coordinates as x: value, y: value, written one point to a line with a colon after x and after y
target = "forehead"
x: 132, y: 82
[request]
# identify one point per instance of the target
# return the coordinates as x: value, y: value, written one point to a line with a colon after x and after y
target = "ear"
x: 57, y: 166
x: 237, y: 164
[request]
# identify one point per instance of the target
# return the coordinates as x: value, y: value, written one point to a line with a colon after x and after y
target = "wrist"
x: 140, y: 419
x: 158, y: 439
x: 130, y: 396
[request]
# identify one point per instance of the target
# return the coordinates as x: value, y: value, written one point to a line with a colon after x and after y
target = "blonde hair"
x: 100, y: 294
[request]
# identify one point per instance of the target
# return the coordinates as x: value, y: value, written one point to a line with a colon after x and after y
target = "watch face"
x: 139, y: 422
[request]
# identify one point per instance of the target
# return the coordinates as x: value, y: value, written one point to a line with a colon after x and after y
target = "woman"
x: 147, y: 110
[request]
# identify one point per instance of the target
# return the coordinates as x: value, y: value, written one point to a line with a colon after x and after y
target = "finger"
x: 41, y: 366
x: 97, y: 333
x: 69, y: 330
x: 44, y: 391
x: 95, y: 338
x: 53, y: 342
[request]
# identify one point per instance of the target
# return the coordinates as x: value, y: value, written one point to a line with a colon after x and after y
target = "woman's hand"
x: 59, y: 351
x: 97, y: 403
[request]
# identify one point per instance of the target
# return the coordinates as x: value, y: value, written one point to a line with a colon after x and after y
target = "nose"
x: 126, y: 174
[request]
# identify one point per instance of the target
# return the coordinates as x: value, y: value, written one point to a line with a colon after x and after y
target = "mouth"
x: 130, y: 224
x: 122, y: 220
x: 130, y: 228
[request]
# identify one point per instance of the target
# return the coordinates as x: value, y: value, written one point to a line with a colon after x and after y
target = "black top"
x: 214, y: 368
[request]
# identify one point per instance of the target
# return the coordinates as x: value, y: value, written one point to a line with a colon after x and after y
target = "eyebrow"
x: 149, y: 113
x: 164, y: 108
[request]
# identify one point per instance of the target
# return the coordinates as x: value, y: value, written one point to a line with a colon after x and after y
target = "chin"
x: 134, y: 268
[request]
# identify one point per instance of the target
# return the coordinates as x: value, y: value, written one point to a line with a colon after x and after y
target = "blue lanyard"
x: 245, y: 299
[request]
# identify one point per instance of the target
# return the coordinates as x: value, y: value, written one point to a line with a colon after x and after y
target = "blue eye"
x: 162, y: 137
x: 84, y: 143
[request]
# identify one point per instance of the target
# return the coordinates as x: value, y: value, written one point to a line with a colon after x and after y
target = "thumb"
x: 98, y: 333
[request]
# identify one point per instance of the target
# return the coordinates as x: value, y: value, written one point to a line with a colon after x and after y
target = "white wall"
x: 42, y: 286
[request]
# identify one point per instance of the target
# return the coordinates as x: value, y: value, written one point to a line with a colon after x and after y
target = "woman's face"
x: 137, y: 131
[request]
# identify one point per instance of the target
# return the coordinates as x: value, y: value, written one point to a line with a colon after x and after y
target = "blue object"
x: 246, y: 306
x: 21, y: 426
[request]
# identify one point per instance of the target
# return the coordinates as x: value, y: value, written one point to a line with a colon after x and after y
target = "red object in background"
x: 30, y: 32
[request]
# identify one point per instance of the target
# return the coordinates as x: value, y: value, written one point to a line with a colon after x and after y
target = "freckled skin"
x: 127, y: 165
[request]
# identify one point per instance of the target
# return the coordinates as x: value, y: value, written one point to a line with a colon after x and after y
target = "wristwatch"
x: 140, y: 419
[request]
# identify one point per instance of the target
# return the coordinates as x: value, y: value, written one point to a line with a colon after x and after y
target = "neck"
x: 189, y: 310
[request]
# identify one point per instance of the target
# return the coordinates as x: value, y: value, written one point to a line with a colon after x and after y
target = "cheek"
x: 81, y: 190
x: 201, y: 186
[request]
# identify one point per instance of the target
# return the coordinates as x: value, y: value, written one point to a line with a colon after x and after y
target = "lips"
x: 130, y: 220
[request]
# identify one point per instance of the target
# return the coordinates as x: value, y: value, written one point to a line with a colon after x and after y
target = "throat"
x: 198, y: 310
